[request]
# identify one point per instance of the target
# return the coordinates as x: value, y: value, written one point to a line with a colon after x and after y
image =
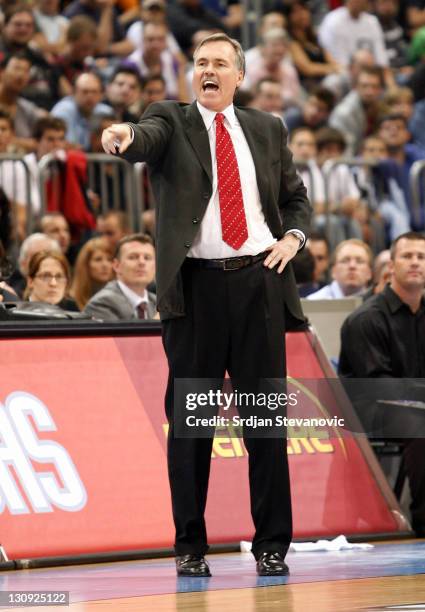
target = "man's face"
x: 352, y: 268
x: 356, y: 6
x: 124, y: 89
x: 331, y: 150
x: 58, y: 228
x: 375, y: 148
x: 5, y: 135
x: 316, y: 112
x: 369, y: 88
x: 319, y: 250
x: 408, y: 265
x: 83, y: 47
x: 394, y: 133
x: 51, y: 140
x: 269, y: 98
x: 111, y: 230
x: 88, y: 93
x: 274, y: 52
x: 136, y: 264
x: 154, y: 91
x: 20, y: 28
x: 386, y: 8
x: 303, y: 145
x: 216, y: 75
x: 16, y: 75
x: 154, y: 39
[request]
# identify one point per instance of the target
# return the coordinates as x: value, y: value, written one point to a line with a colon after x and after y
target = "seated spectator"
x: 80, y: 110
x: 312, y: 61
x: 123, y: 92
x: 273, y: 61
x: 56, y: 226
x: 49, y: 277
x: 44, y: 85
x: 399, y: 101
x: 153, y: 57
x: 314, y: 113
x: 337, y: 202
x: 153, y: 90
x: 357, y: 114
x: 79, y: 49
x: 394, y: 36
x: 14, y: 76
x: 415, y: 14
x: 383, y: 339
x: 319, y: 248
x: 51, y: 28
x: 34, y: 243
x: 110, y: 33
x: 153, y: 11
x: 401, y: 156
x: 113, y: 226
x: 93, y: 269
x: 349, y: 28
x: 381, y: 190
x: 351, y: 271
x: 127, y: 298
x: 49, y: 136
x: 268, y: 97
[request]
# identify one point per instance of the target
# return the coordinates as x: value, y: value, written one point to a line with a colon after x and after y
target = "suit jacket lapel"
x: 257, y: 143
x: 198, y: 137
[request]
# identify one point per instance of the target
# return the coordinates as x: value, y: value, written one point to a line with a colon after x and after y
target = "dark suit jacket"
x: 172, y: 139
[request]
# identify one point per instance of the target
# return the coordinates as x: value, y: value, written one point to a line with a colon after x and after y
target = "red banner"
x: 83, y: 465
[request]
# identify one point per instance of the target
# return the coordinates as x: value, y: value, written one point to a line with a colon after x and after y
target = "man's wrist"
x: 299, y: 235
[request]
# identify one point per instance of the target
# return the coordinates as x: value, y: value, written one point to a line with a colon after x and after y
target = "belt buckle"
x: 233, y: 264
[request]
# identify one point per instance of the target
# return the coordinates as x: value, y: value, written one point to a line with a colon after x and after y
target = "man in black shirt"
x: 385, y: 338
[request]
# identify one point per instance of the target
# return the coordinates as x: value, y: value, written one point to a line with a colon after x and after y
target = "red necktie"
x: 233, y: 221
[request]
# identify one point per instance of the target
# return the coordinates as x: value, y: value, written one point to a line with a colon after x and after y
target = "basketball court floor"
x: 389, y: 576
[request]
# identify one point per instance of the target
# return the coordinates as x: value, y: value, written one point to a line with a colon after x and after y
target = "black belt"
x: 230, y: 263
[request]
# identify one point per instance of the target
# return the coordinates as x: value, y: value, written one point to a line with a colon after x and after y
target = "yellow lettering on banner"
x: 310, y: 440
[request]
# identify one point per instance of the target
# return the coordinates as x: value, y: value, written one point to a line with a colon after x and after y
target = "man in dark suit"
x: 224, y: 286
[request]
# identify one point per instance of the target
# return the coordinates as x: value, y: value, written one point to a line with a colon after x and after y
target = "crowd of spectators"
x: 345, y: 76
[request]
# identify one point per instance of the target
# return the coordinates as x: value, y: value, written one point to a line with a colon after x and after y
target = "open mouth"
x: 209, y: 86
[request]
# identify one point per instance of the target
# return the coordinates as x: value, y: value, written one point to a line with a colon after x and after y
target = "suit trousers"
x: 234, y: 322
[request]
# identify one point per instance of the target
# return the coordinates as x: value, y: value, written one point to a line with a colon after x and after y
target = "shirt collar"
x: 134, y: 298
x: 395, y: 303
x: 208, y: 115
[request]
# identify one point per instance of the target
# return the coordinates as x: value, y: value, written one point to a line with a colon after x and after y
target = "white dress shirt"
x: 209, y: 243
x: 134, y: 298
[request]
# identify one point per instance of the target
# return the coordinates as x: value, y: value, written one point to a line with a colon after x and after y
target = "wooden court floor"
x: 388, y: 577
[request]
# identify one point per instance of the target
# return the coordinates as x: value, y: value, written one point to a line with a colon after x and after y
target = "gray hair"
x: 221, y: 37
x: 31, y: 241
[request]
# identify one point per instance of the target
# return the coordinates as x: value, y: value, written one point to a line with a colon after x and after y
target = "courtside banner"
x: 83, y: 454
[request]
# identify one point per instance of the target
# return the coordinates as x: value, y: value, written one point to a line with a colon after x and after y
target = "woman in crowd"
x: 312, y: 61
x: 93, y: 269
x: 49, y: 278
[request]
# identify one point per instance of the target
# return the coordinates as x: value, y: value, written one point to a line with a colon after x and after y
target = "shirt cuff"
x: 298, y: 234
x: 132, y: 134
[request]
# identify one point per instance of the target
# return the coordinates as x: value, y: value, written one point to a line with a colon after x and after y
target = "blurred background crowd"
x: 347, y: 78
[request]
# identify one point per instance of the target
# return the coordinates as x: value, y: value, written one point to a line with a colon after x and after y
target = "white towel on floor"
x: 339, y: 543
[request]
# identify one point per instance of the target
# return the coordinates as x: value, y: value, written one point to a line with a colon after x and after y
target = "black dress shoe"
x: 192, y: 565
x: 271, y: 564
